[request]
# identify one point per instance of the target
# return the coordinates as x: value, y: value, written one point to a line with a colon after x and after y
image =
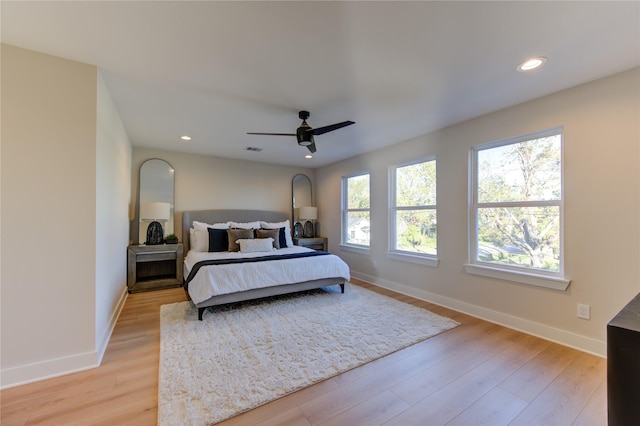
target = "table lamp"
x: 309, y: 214
x: 155, y: 213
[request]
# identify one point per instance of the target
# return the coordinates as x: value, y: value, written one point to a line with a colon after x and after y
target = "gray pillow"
x: 270, y: 233
x: 238, y: 234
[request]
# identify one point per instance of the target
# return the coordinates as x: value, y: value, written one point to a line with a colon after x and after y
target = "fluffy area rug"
x: 246, y: 355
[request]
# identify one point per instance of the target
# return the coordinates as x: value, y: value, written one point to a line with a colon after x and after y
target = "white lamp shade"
x: 308, y: 213
x: 155, y: 211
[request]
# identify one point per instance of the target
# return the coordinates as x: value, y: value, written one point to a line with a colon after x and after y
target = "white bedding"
x: 215, y: 280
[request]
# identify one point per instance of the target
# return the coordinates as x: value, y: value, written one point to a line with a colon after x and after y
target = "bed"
x: 221, y: 277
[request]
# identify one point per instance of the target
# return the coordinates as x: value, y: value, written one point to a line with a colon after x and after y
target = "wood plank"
x: 595, y: 411
x: 562, y: 401
x: 496, y: 408
x: 422, y: 384
x: 291, y: 417
x: 373, y: 411
x: 564, y: 386
x: 529, y: 381
x: 498, y: 360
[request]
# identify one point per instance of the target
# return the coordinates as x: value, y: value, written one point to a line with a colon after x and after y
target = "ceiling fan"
x: 305, y: 133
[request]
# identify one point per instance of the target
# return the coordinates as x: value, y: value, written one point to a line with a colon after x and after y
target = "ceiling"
x: 216, y: 70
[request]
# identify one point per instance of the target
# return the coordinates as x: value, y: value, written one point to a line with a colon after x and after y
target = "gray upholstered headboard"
x: 218, y: 216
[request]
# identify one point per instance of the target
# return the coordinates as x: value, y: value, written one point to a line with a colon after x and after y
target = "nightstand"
x: 154, y: 267
x: 317, y: 243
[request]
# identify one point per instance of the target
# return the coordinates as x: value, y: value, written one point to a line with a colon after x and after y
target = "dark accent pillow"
x: 238, y: 234
x: 218, y: 240
x: 270, y: 233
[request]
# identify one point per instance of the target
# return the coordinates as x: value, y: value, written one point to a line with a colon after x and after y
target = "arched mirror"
x: 301, y: 196
x: 156, y: 199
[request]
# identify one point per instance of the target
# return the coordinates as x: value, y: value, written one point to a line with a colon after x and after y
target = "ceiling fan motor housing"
x: 305, y: 138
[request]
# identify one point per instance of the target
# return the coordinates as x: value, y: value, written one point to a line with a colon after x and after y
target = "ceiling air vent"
x: 254, y: 149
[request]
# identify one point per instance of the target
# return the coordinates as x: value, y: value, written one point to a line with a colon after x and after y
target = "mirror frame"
x: 296, y: 186
x: 168, y: 194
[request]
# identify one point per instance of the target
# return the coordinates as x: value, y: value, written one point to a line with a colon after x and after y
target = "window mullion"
x: 519, y: 204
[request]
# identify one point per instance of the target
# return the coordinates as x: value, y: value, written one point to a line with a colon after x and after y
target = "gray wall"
x: 64, y: 218
x: 207, y: 182
x: 602, y: 213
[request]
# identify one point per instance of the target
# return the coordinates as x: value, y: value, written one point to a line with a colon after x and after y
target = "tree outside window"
x: 414, y: 214
x: 356, y: 211
x: 517, y: 202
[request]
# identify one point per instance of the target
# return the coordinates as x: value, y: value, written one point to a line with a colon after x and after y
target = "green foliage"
x: 524, y: 235
x: 416, y: 185
x: 358, y: 192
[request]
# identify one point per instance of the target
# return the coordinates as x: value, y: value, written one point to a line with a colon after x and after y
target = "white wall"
x: 63, y: 270
x: 48, y: 217
x: 602, y: 187
x: 207, y: 182
x: 113, y: 192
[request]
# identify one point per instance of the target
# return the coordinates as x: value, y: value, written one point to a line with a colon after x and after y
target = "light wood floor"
x: 478, y: 373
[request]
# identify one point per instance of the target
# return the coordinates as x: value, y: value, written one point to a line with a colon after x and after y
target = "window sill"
x: 355, y: 249
x: 406, y: 257
x: 554, y: 283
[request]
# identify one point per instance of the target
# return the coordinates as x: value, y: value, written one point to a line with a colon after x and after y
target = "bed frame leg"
x: 342, y: 288
x: 200, y: 313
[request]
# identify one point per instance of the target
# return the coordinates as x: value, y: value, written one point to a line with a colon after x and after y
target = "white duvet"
x: 215, y: 280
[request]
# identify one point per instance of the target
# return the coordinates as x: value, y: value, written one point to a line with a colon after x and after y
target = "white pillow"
x: 197, y: 225
x: 255, y: 245
x: 278, y: 225
x: 245, y: 225
x: 199, y: 236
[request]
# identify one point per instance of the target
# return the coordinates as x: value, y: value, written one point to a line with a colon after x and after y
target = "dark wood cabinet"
x: 317, y: 243
x: 154, y: 267
x: 623, y: 365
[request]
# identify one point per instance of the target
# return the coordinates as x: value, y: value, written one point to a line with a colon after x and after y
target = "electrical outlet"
x: 584, y: 311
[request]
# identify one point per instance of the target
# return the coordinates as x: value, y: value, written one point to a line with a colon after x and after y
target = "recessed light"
x: 308, y: 156
x: 531, y: 64
x: 185, y: 138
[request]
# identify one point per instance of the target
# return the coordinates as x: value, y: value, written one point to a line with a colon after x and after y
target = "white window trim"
x: 547, y: 279
x: 352, y: 248
x: 344, y: 245
x: 420, y: 259
x: 402, y: 255
x: 539, y: 280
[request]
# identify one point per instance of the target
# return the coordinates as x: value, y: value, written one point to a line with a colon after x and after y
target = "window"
x: 413, y: 215
x: 356, y: 209
x: 516, y: 209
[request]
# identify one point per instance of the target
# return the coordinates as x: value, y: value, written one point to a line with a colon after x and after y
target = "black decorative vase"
x: 155, y: 234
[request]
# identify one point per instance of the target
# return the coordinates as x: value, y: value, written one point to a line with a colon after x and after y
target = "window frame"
x: 345, y: 210
x: 427, y: 259
x: 537, y: 277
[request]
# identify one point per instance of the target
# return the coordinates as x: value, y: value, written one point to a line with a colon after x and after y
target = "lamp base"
x: 155, y: 234
x: 309, y: 232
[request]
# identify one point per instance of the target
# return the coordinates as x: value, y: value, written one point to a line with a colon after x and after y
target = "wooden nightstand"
x: 154, y: 267
x: 317, y: 243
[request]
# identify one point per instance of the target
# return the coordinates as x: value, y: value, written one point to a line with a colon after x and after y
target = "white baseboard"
x: 563, y: 337
x: 104, y: 342
x: 48, y: 369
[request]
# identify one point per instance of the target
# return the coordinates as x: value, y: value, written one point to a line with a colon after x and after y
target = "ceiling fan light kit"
x: 305, y: 133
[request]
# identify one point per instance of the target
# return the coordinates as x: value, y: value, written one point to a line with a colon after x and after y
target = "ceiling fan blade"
x: 312, y: 147
x: 272, y: 134
x: 322, y: 130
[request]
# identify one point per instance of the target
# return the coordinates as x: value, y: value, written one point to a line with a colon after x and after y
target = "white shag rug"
x: 238, y: 358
